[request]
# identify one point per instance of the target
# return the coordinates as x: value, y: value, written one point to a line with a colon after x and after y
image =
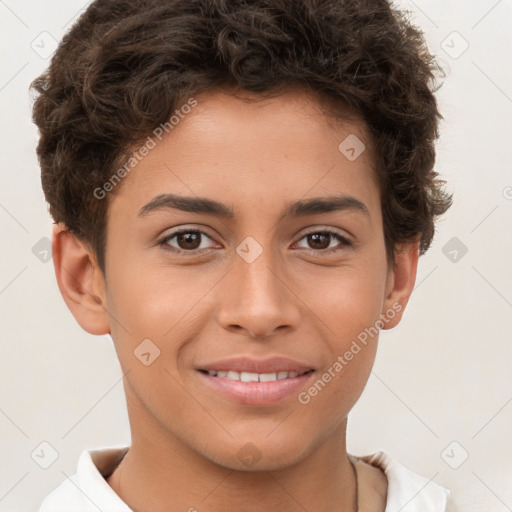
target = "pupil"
x: 315, y: 238
x: 190, y: 240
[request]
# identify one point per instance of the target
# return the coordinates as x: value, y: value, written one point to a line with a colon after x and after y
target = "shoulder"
x: 408, y: 491
x: 87, y: 489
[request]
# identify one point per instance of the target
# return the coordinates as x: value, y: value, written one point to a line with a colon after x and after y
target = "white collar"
x: 408, y: 491
x: 88, y: 491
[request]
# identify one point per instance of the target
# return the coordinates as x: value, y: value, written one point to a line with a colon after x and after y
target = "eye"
x: 191, y: 241
x: 185, y: 241
x: 320, y: 241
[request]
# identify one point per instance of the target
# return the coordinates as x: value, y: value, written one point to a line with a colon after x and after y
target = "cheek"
x: 348, y: 309
x: 156, y: 303
x: 347, y: 300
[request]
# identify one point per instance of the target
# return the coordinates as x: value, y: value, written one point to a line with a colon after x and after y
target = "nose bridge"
x: 260, y: 279
x: 256, y: 298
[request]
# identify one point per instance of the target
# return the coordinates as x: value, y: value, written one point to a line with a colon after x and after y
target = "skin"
x: 296, y: 300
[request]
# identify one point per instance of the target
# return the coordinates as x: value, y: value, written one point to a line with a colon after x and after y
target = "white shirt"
x: 88, y: 491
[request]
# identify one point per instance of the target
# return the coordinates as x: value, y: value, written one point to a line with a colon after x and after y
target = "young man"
x: 241, y: 191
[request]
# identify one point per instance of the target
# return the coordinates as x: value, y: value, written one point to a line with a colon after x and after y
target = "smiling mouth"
x: 254, y: 377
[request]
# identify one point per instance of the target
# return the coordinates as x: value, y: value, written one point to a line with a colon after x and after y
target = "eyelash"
x: 164, y: 242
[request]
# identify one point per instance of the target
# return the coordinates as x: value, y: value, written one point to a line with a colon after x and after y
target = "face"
x: 247, y: 242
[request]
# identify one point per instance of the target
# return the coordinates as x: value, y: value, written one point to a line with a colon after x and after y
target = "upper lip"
x: 246, y: 364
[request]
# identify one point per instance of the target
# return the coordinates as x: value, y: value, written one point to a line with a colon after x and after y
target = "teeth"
x: 252, y: 377
x: 249, y: 377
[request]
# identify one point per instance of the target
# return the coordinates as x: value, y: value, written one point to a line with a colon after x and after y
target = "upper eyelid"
x: 316, y: 229
x: 343, y: 239
x: 170, y: 236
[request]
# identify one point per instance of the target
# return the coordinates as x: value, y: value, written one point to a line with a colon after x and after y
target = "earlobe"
x: 400, y: 284
x: 80, y: 280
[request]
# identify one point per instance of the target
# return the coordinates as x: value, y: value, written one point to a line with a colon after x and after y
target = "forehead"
x: 297, y: 116
x: 237, y: 144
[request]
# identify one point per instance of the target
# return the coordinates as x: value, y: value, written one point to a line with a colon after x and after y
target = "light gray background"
x: 443, y: 375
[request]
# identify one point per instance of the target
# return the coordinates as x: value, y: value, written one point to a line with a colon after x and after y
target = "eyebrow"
x: 299, y: 208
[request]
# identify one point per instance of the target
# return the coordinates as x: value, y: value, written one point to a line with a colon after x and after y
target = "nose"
x: 257, y: 299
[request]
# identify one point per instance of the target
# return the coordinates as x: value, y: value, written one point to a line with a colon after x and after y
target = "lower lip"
x: 257, y: 393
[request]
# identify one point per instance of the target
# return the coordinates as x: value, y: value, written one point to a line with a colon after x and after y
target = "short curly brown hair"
x: 126, y: 65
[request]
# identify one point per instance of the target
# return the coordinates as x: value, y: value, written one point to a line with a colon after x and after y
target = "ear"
x: 80, y: 280
x: 400, y: 284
